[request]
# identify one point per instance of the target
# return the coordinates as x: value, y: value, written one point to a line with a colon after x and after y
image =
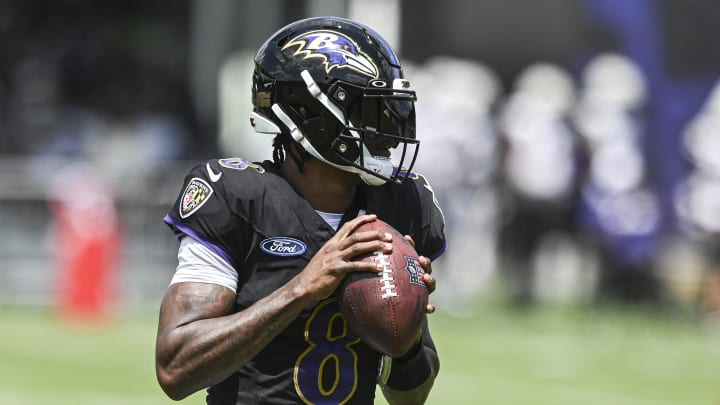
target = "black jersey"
x: 249, y: 215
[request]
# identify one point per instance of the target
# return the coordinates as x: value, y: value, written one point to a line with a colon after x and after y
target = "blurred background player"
x: 698, y: 206
x: 455, y: 116
x: 250, y: 311
x: 538, y: 173
x: 618, y: 212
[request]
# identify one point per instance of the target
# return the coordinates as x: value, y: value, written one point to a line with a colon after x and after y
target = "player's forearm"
x: 202, y: 352
x: 412, y: 375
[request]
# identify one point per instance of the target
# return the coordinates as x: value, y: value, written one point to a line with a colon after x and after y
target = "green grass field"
x: 549, y: 356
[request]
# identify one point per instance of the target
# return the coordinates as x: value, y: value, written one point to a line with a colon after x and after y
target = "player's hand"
x: 428, y: 279
x: 332, y: 262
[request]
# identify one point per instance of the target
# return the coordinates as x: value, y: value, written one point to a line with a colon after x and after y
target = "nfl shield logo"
x: 195, y: 195
x: 412, y: 266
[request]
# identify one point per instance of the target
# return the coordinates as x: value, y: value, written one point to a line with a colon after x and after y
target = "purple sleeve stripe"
x: 440, y: 252
x: 191, y: 233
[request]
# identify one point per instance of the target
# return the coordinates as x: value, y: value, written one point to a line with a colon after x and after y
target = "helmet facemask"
x: 352, y: 128
x: 381, y: 121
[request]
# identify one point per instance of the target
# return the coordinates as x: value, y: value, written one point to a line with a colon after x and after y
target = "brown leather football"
x: 386, y: 309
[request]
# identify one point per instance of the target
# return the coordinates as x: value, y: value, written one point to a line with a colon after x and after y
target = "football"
x: 386, y: 309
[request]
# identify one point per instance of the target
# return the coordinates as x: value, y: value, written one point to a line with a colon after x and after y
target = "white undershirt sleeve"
x: 198, y: 264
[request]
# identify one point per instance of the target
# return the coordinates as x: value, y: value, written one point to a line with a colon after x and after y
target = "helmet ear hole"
x: 348, y: 150
x: 341, y: 96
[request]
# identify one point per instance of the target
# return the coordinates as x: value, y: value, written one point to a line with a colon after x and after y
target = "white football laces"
x: 386, y: 280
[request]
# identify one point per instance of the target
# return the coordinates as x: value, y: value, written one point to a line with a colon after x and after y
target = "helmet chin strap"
x: 376, y: 164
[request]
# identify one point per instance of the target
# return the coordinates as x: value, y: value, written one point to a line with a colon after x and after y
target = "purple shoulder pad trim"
x: 191, y: 233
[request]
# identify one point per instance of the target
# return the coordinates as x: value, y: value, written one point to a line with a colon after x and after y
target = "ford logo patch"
x: 283, y: 246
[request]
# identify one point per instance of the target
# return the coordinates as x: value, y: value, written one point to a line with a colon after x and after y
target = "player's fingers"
x: 361, y: 265
x: 365, y: 236
x: 430, y: 308
x: 350, y: 226
x: 430, y: 282
x: 360, y: 248
x: 380, y: 238
x: 426, y: 264
x: 410, y: 240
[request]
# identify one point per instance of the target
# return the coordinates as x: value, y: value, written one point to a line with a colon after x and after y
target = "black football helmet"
x: 336, y: 88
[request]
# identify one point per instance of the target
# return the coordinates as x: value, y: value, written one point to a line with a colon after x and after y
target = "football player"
x: 250, y: 313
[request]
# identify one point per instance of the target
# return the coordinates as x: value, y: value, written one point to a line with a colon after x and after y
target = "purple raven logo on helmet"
x: 336, y: 50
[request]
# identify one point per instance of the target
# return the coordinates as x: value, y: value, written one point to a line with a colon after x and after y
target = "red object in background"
x: 88, y: 240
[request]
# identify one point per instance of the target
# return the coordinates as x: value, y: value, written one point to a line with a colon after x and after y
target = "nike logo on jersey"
x: 214, y: 177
